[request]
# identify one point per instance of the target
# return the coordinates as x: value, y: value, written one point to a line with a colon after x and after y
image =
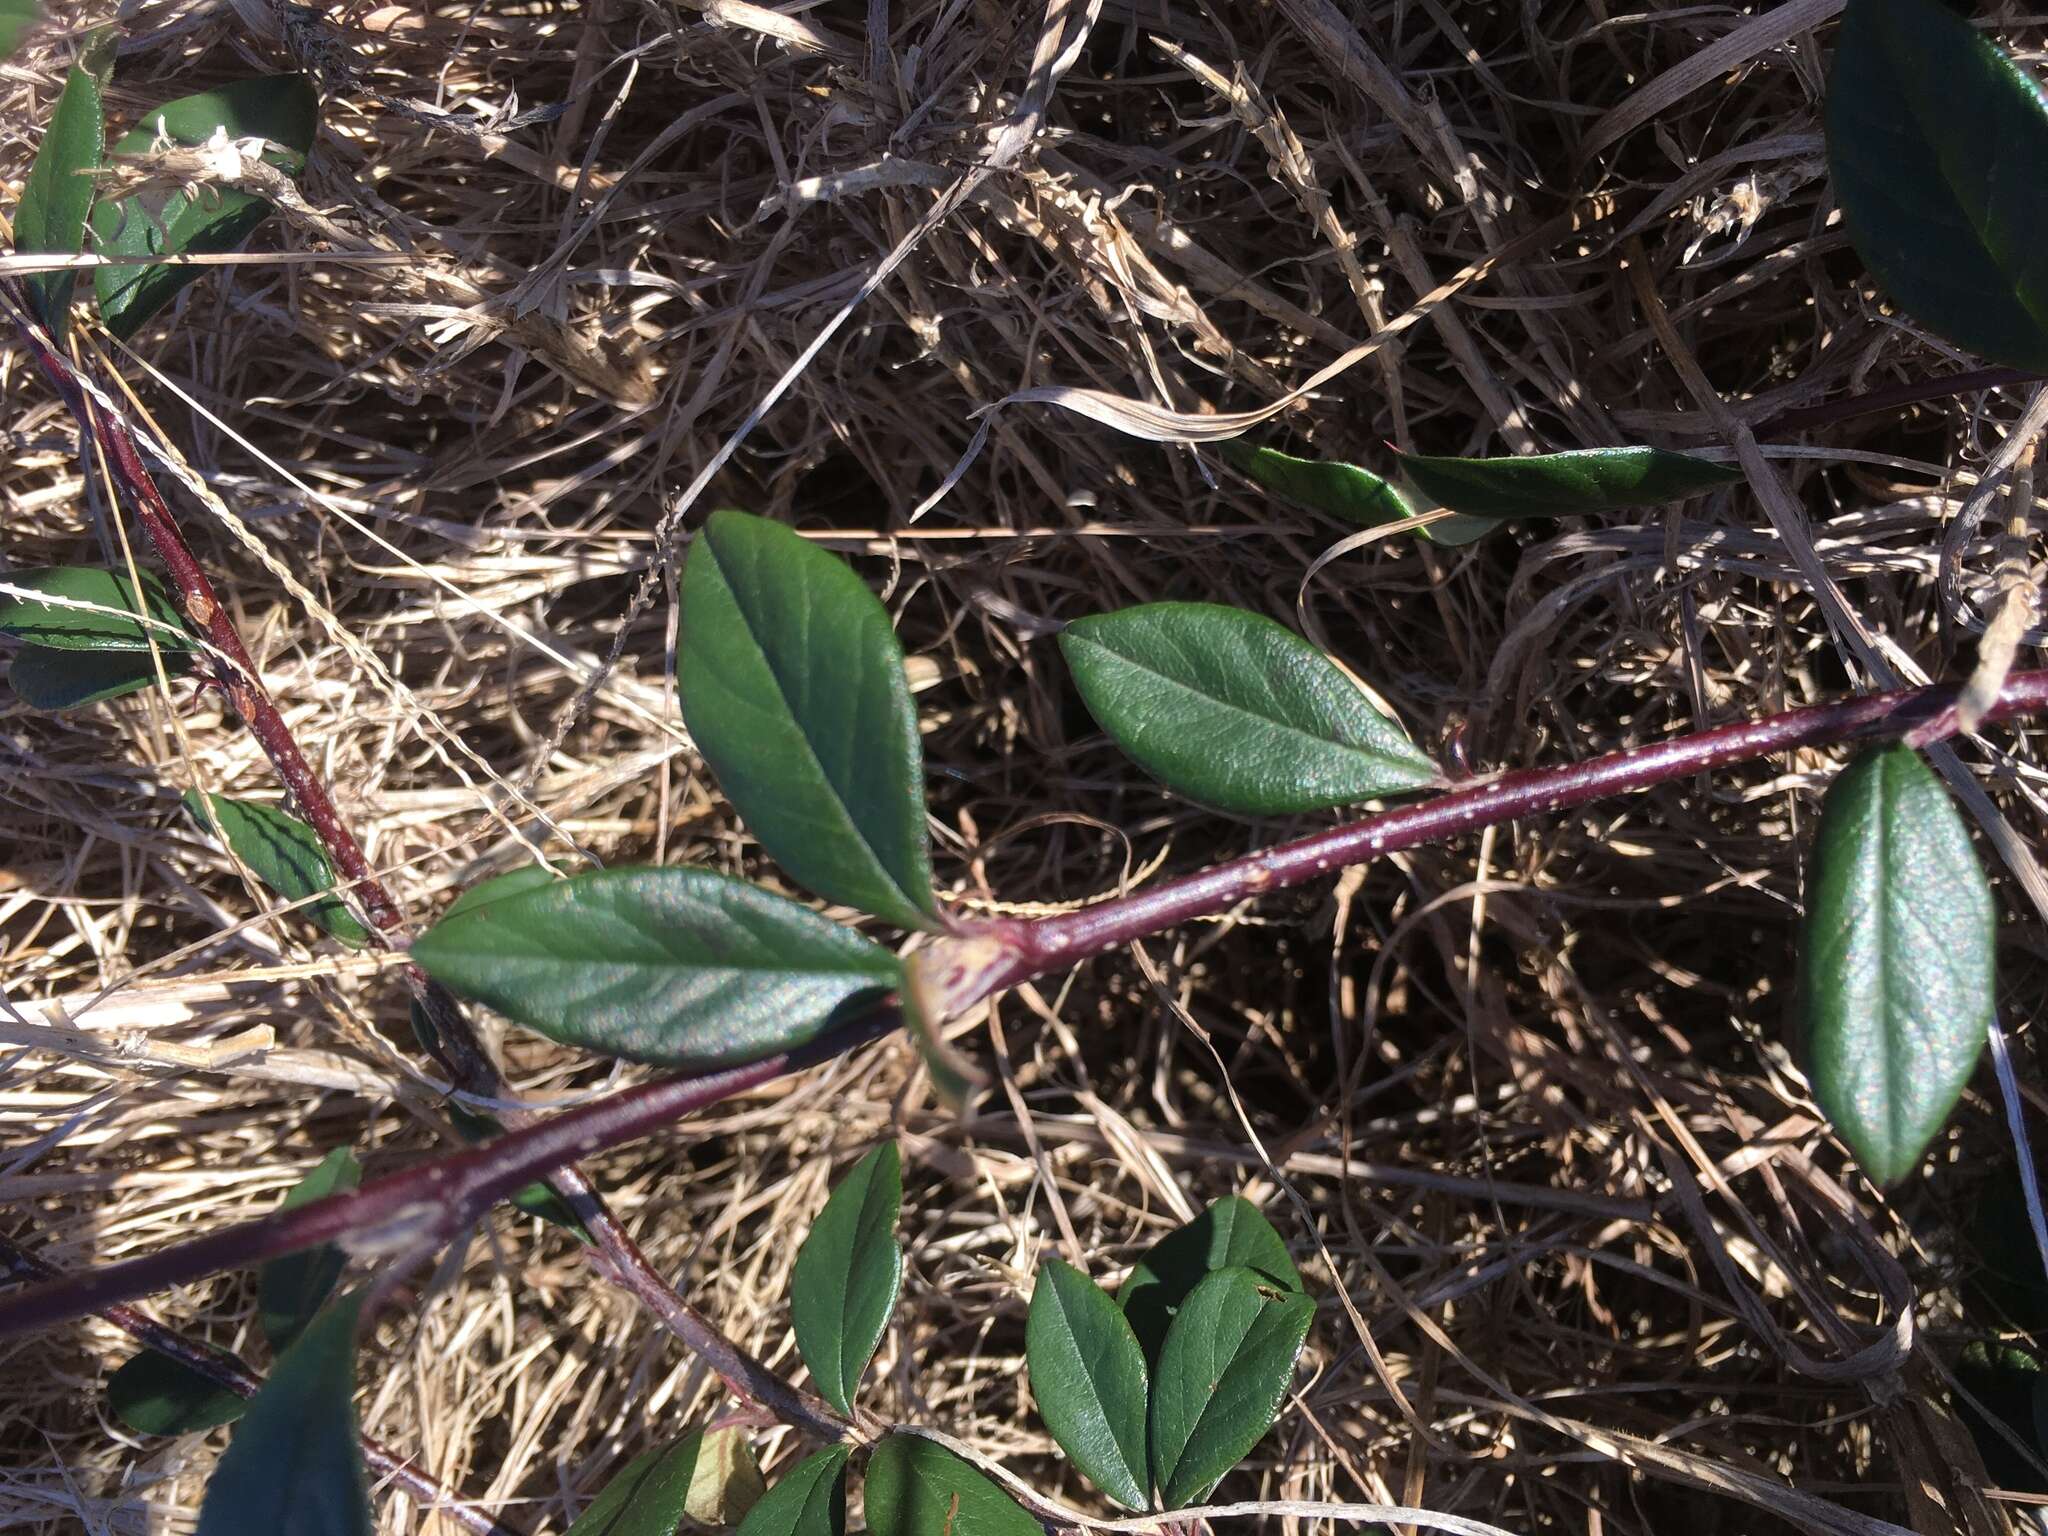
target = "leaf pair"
x: 59, y: 199
x: 914, y: 1487
x: 1899, y: 965
x: 79, y: 647
x: 1481, y: 493
x: 1936, y: 138
x: 1173, y: 1383
x: 158, y: 1395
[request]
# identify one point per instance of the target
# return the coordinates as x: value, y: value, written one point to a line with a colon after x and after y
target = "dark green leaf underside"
x: 847, y: 1275
x: 1564, y: 484
x: 285, y: 854
x: 1898, y: 970
x: 809, y: 1501
x: 1236, y: 711
x: 1230, y: 1233
x: 155, y: 1395
x: 917, y: 1488
x: 678, y: 967
x: 1936, y: 142
x: 1227, y: 1363
x: 280, y: 108
x: 52, y: 680
x: 295, y: 1464
x: 1349, y: 492
x: 792, y: 685
x: 1089, y: 1377
x: 99, y: 626
x: 291, y: 1290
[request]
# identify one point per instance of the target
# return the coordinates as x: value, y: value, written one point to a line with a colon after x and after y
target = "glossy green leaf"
x: 292, y: 1289
x: 528, y: 877
x: 283, y: 109
x: 1230, y: 1233
x: 99, y: 627
x: 295, y: 1463
x: 809, y: 1501
x: 17, y: 17
x: 155, y: 1395
x: 1563, y: 484
x: 1898, y: 974
x: 536, y: 1199
x: 48, y: 679
x: 847, y: 1274
x: 792, y: 686
x: 917, y: 1488
x: 1348, y: 492
x: 678, y: 967
x: 285, y: 854
x: 707, y: 1478
x: 1089, y: 1377
x: 1936, y: 139
x: 1236, y: 711
x: 58, y: 194
x: 1228, y: 1360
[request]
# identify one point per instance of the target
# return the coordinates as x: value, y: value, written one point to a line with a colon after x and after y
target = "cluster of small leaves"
x: 60, y: 201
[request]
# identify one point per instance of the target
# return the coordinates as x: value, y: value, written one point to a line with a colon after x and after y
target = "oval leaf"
x: 283, y: 109
x: 651, y: 1495
x: 55, y: 199
x: 16, y: 18
x: 678, y: 967
x: 1936, y: 139
x: 291, y: 1290
x: 1564, y: 484
x: 1348, y: 492
x: 1089, y: 1377
x: 295, y: 1463
x: 1899, y: 977
x: 52, y: 680
x: 285, y: 854
x: 809, y: 1501
x: 917, y: 1488
x: 1229, y: 1234
x: 1227, y: 1362
x: 847, y: 1275
x: 100, y: 626
x: 792, y: 686
x: 156, y: 1395
x: 1236, y: 711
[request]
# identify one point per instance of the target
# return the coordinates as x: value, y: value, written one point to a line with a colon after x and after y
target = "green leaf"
x: 1228, y: 1360
x: 1236, y: 711
x: 809, y: 1501
x: 528, y: 877
x: 678, y: 967
x: 283, y: 109
x: 291, y: 1290
x: 917, y: 1488
x: 847, y: 1274
x: 53, y: 680
x: 650, y: 1496
x: 1936, y: 139
x: 58, y: 194
x: 295, y: 1463
x: 536, y: 1199
x: 1230, y: 1233
x: 156, y: 1395
x: 1089, y: 1377
x: 285, y: 854
x: 82, y: 629
x: 16, y: 18
x: 1899, y: 977
x: 792, y: 686
x: 1563, y: 484
x: 1348, y: 492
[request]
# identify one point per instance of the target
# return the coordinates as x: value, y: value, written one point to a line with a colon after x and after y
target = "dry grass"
x: 1522, y: 1105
